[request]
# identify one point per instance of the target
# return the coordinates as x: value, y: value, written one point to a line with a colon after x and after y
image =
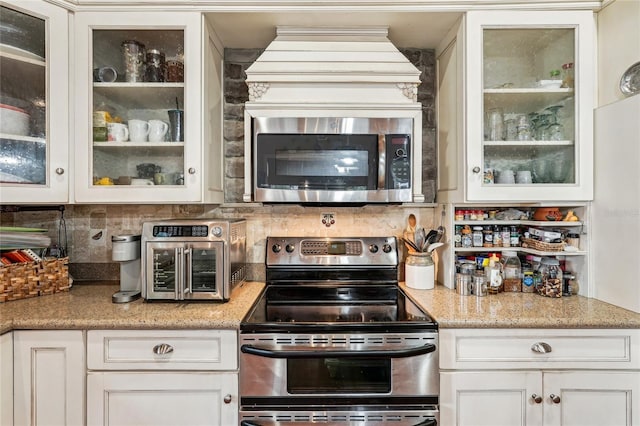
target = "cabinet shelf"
x: 167, y: 145
x: 142, y: 95
x: 548, y: 223
x: 519, y: 250
x: 525, y: 100
x: 6, y: 136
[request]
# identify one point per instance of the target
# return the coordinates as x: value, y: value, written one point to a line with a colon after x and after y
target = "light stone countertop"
x: 520, y: 310
x: 89, y: 306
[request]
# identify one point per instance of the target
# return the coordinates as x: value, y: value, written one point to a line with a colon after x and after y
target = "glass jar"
x: 550, y: 278
x: 134, y: 56
x: 419, y: 271
x: 568, y: 79
x: 511, y: 271
x: 477, y: 237
x: 494, y: 275
x: 487, y: 233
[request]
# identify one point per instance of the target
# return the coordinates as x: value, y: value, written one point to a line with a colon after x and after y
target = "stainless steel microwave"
x: 332, y: 159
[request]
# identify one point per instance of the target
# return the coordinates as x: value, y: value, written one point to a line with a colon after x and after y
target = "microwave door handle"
x: 382, y: 161
x: 387, y: 353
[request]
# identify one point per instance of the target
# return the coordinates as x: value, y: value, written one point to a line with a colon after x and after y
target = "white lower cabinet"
x: 6, y: 379
x: 49, y: 377
x: 539, y: 377
x: 162, y: 377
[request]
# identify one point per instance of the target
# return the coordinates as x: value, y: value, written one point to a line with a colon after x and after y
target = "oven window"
x: 336, y: 163
x: 203, y: 270
x: 164, y: 270
x: 338, y: 375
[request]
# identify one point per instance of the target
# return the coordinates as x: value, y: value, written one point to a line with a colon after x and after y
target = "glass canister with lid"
x: 512, y: 272
x: 551, y: 278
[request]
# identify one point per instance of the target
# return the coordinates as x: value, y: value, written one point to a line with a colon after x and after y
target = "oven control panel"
x: 172, y: 231
x: 288, y: 251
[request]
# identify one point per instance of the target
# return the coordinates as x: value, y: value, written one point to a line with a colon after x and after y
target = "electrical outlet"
x: 328, y: 219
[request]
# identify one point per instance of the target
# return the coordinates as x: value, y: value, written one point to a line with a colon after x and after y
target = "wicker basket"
x: 22, y: 280
x: 542, y: 246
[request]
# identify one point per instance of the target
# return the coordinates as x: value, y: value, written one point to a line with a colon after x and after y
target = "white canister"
x: 419, y: 271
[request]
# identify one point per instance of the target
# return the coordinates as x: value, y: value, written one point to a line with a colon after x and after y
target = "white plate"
x: 630, y: 81
x: 20, y: 53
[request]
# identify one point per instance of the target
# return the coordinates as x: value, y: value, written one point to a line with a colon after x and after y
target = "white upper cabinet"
x: 139, y: 103
x: 528, y: 92
x: 34, y: 102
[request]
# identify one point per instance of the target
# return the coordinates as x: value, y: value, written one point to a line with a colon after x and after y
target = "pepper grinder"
x: 126, y: 250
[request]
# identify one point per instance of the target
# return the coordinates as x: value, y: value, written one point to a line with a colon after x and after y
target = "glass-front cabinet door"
x: 530, y: 101
x: 34, y: 108
x: 138, y: 110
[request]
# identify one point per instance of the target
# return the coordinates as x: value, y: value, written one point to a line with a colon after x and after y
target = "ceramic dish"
x: 13, y: 120
x: 630, y: 81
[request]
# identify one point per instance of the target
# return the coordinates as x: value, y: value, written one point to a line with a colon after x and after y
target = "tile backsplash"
x: 89, y: 228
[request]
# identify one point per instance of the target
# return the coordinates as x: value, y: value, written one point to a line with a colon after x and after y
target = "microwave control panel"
x: 398, y: 162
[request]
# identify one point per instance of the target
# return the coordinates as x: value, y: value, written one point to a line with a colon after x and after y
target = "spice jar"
x: 511, y: 270
x: 477, y: 237
x: 527, y: 278
x: 419, y: 271
x: 487, y: 233
x: 551, y: 278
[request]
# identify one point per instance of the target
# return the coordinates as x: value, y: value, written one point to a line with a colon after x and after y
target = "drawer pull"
x: 541, y: 348
x: 162, y: 349
x: 536, y: 398
x: 555, y: 398
x: 227, y: 399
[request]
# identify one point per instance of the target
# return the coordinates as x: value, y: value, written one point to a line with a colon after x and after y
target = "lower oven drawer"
x: 375, y: 366
x: 340, y: 416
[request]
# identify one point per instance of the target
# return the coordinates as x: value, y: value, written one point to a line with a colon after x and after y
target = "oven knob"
x: 290, y: 248
x: 386, y: 248
x: 373, y: 248
x: 216, y: 231
x: 276, y: 248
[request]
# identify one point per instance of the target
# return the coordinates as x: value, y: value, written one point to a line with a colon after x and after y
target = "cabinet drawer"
x: 162, y: 350
x: 539, y: 348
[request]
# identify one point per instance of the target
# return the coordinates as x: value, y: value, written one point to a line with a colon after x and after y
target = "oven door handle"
x: 388, y: 353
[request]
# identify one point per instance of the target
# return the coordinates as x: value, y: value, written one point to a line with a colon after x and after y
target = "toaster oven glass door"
x: 185, y: 270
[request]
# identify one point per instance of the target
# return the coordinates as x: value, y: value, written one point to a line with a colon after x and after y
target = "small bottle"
x: 494, y: 275
x: 457, y: 237
x: 497, y: 236
x: 487, y: 233
x: 514, y: 237
x: 527, y: 278
x: 511, y: 271
x: 467, y: 239
x: 477, y: 236
x: 506, y: 237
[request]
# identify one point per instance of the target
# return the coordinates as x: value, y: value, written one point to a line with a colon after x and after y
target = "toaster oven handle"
x: 387, y: 353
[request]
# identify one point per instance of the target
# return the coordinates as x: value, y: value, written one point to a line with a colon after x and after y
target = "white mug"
x: 117, y: 132
x: 138, y: 130
x: 524, y: 176
x: 157, y: 130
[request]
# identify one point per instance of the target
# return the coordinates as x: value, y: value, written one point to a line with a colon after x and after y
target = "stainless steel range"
x: 334, y: 340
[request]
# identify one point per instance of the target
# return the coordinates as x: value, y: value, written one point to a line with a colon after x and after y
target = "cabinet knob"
x: 555, y: 398
x: 536, y: 398
x: 227, y: 399
x: 192, y: 171
x: 476, y: 169
x: 541, y: 348
x: 59, y: 171
x: 162, y: 349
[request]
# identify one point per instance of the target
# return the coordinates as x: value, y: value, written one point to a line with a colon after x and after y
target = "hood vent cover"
x: 338, y: 65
